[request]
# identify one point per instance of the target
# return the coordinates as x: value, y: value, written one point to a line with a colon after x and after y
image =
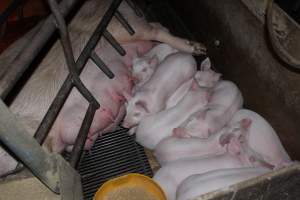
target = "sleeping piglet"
x: 151, y: 98
x: 199, y: 184
x: 172, y: 174
x: 144, y: 67
x: 153, y: 128
x: 206, y: 77
x: 260, y: 145
x: 225, y: 101
x: 174, y: 148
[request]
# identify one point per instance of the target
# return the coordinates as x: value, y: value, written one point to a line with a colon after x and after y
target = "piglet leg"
x: 107, y: 113
x: 159, y: 33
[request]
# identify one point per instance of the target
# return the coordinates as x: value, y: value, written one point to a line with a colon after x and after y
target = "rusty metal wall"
x: 245, y: 57
x: 279, y: 185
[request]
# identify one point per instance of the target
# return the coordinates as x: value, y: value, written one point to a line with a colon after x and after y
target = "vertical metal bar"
x: 102, y: 65
x: 65, y: 39
x: 40, y: 163
x: 61, y: 96
x: 31, y: 50
x: 124, y: 22
x: 136, y: 9
x: 114, y: 43
x: 82, y: 136
x: 98, y: 33
x: 48, y: 120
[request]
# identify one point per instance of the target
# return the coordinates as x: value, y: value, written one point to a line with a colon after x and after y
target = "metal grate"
x: 114, y: 154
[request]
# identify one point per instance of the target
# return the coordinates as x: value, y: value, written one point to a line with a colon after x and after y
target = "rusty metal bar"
x: 136, y: 9
x: 114, y: 43
x: 97, y: 60
x: 84, y: 56
x: 82, y: 136
x: 93, y: 103
x: 66, y: 44
x: 38, y: 161
x: 124, y: 22
x: 61, y: 96
x: 26, y: 56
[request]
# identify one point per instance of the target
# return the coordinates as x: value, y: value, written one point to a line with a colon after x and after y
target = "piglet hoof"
x: 198, y: 48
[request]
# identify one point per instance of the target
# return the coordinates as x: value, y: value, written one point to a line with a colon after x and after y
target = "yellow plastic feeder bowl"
x: 131, y: 186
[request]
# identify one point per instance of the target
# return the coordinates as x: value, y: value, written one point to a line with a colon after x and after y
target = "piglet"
x: 153, y: 128
x: 151, y: 98
x: 142, y: 70
x: 173, y: 148
x: 179, y: 93
x: 226, y: 100
x: 199, y: 184
x: 206, y: 77
x: 172, y: 174
x: 161, y: 51
x: 143, y: 67
x: 260, y: 145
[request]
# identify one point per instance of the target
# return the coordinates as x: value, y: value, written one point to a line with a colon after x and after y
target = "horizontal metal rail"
x: 19, y: 65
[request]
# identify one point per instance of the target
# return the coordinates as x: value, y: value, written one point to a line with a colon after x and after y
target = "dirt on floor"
x: 26, y: 188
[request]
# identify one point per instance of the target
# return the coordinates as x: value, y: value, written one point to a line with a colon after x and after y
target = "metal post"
x: 66, y: 44
x: 95, y: 58
x: 80, y: 140
x: 114, y: 43
x: 61, y: 96
x: 26, y: 56
x: 124, y: 22
x: 38, y: 161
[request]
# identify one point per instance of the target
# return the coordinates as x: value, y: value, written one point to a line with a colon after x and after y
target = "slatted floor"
x: 113, y: 154
x: 117, y: 153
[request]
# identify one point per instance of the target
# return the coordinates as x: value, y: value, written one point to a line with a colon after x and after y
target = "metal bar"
x: 12, y: 7
x: 102, y: 65
x: 84, y: 56
x: 124, y: 22
x: 38, y: 161
x: 61, y: 96
x: 82, y: 136
x: 65, y: 40
x: 26, y: 56
x: 136, y: 9
x: 114, y: 43
x: 48, y: 120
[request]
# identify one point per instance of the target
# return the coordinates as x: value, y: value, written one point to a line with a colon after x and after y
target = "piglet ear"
x: 246, y: 123
x: 142, y: 105
x: 205, y: 65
